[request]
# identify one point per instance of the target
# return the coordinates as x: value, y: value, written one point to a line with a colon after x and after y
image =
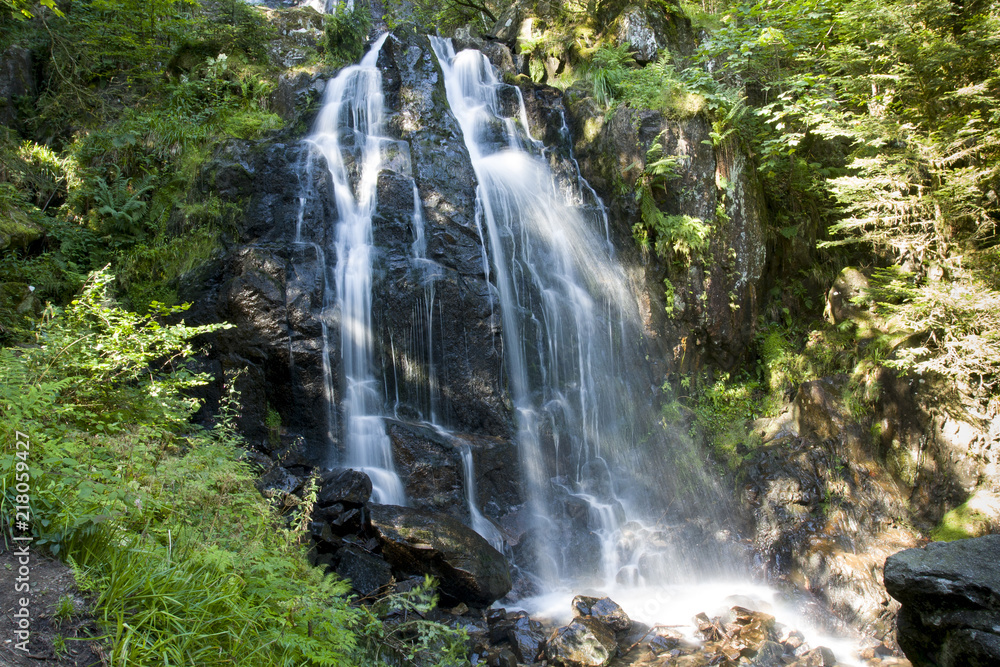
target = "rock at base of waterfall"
x: 817, y: 657
x: 367, y: 573
x: 344, y: 486
x: 950, y: 595
x: 750, y: 630
x: 500, y: 657
x: 769, y: 653
x: 604, y: 610
x: 585, y: 642
x: 419, y: 542
x: 527, y: 639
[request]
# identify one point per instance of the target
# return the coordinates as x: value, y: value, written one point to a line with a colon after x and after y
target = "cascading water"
x: 349, y: 135
x: 610, y: 495
x: 590, y: 452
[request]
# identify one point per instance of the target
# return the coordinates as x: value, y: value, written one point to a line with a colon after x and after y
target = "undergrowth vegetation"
x: 184, y: 560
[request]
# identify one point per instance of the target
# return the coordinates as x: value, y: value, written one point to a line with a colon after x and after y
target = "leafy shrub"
x: 346, y: 33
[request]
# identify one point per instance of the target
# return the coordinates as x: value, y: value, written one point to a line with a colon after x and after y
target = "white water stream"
x: 573, y: 351
x: 571, y: 330
x: 349, y: 133
x: 573, y: 348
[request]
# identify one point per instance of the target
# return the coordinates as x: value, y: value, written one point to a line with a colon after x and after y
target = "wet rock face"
x: 416, y: 542
x: 824, y: 514
x: 438, y: 328
x: 431, y: 466
x: 585, y: 642
x: 716, y: 185
x: 950, y: 595
x: 430, y: 471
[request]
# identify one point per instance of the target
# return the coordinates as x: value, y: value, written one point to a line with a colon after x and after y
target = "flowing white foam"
x: 349, y: 134
x: 676, y: 606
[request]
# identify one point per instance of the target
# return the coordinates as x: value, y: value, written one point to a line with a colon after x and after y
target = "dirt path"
x: 51, y: 594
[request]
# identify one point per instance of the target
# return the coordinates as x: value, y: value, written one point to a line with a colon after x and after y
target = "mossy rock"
x: 17, y: 230
x: 978, y: 516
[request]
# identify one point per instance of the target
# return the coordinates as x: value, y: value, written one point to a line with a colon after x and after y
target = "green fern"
x: 121, y: 206
x: 606, y: 70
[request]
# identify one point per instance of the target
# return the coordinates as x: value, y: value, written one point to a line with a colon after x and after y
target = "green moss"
x: 17, y: 230
x: 961, y: 523
x: 251, y: 124
x: 901, y: 464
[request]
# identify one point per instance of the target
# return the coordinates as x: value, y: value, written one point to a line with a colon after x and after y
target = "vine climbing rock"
x: 418, y: 542
x: 950, y: 595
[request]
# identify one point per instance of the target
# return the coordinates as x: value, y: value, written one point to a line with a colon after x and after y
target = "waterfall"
x: 593, y: 463
x: 349, y: 135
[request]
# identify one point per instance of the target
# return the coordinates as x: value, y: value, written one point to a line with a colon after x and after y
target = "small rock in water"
x: 818, y: 657
x: 768, y: 654
x: 605, y: 610
x: 709, y: 628
x: 503, y: 657
x: 662, y: 638
x: 752, y: 629
x: 794, y: 640
x: 585, y: 642
x: 527, y: 639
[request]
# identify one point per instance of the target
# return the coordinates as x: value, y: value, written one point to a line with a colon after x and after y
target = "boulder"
x: 419, y: 542
x: 344, y: 486
x: 366, y: 572
x: 849, y: 285
x: 527, y: 639
x: 635, y: 30
x: 950, y: 595
x: 604, y: 610
x: 585, y: 642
